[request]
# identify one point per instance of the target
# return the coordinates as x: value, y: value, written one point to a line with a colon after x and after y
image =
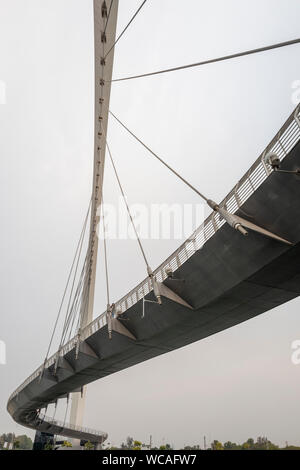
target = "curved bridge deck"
x: 227, y: 280
x: 59, y: 428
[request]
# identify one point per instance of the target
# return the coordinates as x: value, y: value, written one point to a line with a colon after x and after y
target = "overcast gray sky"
x: 211, y: 123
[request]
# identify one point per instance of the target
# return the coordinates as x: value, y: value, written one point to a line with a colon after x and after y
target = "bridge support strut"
x: 241, y: 224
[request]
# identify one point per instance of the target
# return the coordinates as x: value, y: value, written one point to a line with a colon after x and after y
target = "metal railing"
x: 282, y: 144
x: 72, y: 427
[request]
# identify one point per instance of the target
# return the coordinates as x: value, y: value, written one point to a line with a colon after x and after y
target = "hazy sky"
x: 211, y: 123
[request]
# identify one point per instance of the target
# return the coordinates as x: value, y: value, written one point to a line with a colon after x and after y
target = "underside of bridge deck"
x: 230, y: 280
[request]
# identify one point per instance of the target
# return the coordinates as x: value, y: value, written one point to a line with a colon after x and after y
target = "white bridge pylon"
x: 105, y: 26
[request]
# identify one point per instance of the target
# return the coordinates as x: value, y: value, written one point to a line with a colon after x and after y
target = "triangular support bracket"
x: 255, y: 228
x: 241, y: 225
x: 87, y: 350
x: 171, y: 295
x: 113, y: 324
x: 118, y: 327
x: 49, y: 375
x: 161, y: 290
x: 62, y: 363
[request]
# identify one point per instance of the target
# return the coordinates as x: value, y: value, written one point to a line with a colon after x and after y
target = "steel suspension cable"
x: 74, y: 309
x: 68, y: 281
x: 160, y: 159
x: 125, y: 29
x: 74, y: 279
x: 212, y: 61
x: 70, y: 312
x: 78, y: 302
x: 127, y: 207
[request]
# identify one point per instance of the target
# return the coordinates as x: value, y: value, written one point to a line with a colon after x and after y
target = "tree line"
x: 24, y: 442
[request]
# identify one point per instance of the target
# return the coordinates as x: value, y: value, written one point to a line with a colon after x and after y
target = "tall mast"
x: 105, y: 24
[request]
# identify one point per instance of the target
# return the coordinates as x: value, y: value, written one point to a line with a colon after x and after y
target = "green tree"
x: 67, y: 444
x: 128, y: 445
x: 165, y: 447
x: 16, y: 444
x: 251, y: 443
x: 88, y: 446
x: 263, y: 443
x: 246, y: 446
x: 25, y: 442
x: 216, y: 445
x: 137, y: 445
x: 48, y: 446
x: 231, y: 446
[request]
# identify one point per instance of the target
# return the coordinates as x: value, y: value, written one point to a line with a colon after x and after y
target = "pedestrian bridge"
x: 217, y: 279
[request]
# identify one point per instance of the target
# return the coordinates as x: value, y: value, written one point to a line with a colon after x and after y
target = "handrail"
x: 73, y: 427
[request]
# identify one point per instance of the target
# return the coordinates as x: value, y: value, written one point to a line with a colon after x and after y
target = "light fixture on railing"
x: 273, y: 160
